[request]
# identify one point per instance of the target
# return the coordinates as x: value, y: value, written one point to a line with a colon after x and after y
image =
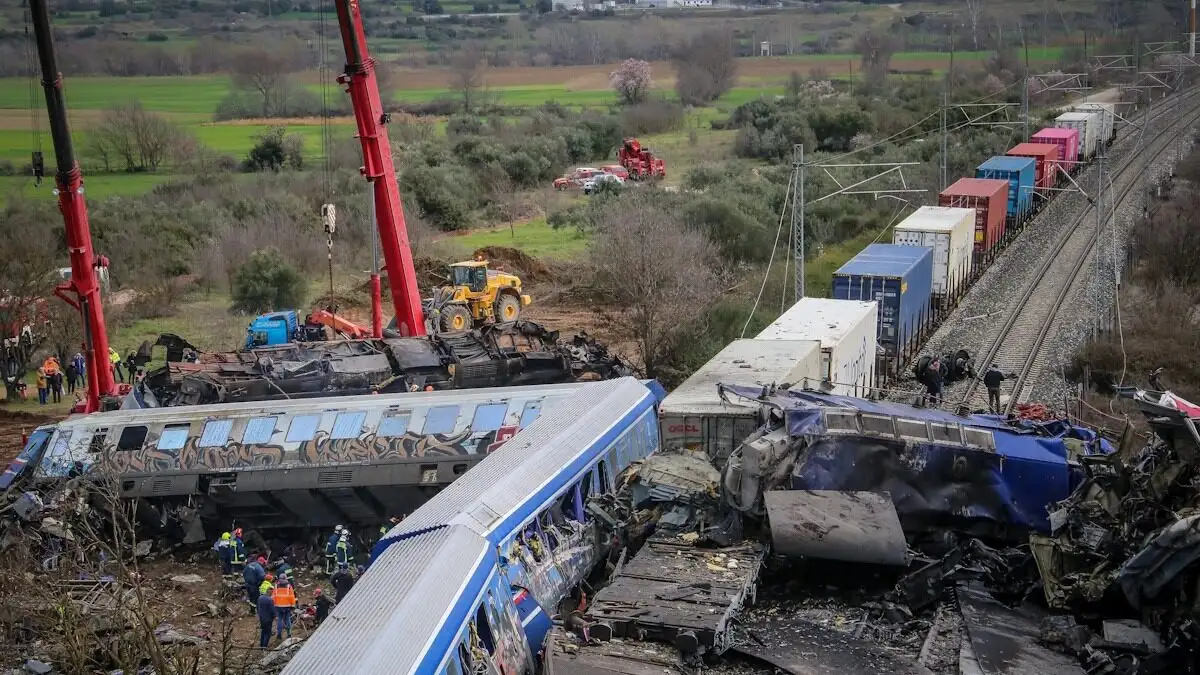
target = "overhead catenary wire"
x: 770, y: 261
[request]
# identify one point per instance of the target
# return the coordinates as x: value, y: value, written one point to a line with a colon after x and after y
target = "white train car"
x: 846, y: 330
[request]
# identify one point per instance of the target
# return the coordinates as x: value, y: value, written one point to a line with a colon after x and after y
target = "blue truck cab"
x: 275, y: 328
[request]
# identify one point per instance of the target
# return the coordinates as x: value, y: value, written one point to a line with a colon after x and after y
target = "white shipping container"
x: 1108, y: 118
x: 950, y: 233
x: 693, y: 415
x: 846, y: 330
x: 1088, y: 125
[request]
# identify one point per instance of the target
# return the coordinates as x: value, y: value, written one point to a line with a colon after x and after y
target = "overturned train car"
x: 354, y: 460
x: 523, y: 353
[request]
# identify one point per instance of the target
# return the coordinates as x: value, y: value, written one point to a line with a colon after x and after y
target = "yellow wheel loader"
x: 476, y: 296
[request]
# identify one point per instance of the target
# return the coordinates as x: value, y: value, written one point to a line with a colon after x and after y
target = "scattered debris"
x: 853, y: 526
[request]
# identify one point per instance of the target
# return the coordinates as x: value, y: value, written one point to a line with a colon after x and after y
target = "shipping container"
x: 1019, y: 172
x: 695, y: 416
x: 1067, y: 141
x: 1088, y: 126
x: 846, y: 331
x: 989, y: 198
x: 900, y: 279
x: 1045, y: 156
x: 1108, y: 118
x: 949, y: 233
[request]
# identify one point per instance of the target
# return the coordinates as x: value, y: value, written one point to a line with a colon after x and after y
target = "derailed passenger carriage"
x: 308, y: 463
x: 468, y: 583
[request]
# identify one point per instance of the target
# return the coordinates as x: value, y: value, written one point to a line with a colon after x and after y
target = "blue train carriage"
x: 900, y: 280
x: 305, y: 463
x: 1021, y: 174
x: 467, y: 583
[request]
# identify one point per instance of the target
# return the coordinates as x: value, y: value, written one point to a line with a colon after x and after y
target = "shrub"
x: 275, y: 151
x: 652, y: 117
x: 266, y: 282
x: 446, y: 195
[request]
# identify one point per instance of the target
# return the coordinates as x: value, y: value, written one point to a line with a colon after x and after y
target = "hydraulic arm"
x: 377, y: 168
x: 83, y: 290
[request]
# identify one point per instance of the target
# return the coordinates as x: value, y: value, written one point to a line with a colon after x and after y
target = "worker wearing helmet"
x: 331, y: 549
x: 284, y: 596
x: 343, y: 550
x: 224, y: 549
x: 239, y: 551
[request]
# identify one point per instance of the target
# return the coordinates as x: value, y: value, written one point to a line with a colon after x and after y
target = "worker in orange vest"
x: 284, y: 596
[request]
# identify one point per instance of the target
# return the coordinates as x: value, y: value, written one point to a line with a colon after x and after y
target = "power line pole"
x: 798, y: 216
x: 945, y: 140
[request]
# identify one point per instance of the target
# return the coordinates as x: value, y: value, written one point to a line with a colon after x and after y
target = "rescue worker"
x: 343, y: 550
x: 342, y: 582
x: 571, y: 610
x: 384, y: 529
x: 267, y: 585
x: 254, y: 574
x: 322, y: 603
x: 284, y: 597
x: 991, y: 380
x: 284, y: 568
x: 224, y: 549
x: 239, y: 549
x: 114, y: 360
x: 43, y: 385
x: 265, y: 608
x: 933, y: 382
x: 331, y: 549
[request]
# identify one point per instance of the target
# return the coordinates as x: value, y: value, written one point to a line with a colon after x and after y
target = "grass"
x: 192, y: 94
x: 204, y: 319
x: 99, y: 186
x: 536, y: 238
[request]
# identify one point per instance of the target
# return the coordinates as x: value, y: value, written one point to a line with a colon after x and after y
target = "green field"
x: 535, y: 238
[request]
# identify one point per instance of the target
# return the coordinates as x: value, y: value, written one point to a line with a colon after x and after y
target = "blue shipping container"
x: 899, y: 278
x: 1021, y: 173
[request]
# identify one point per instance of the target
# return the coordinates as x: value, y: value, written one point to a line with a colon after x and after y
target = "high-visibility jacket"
x: 113, y: 356
x: 239, y: 551
x: 343, y: 552
x: 284, y: 596
x: 264, y: 587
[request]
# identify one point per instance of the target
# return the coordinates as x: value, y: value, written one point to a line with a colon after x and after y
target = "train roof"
x: 400, y: 610
x: 416, y: 399
x: 553, y: 450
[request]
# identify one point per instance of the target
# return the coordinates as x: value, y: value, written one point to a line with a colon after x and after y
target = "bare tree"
x: 652, y: 268
x: 705, y: 67
x: 27, y: 264
x: 134, y: 139
x: 876, y: 49
x: 974, y: 12
x: 468, y: 67
x: 267, y: 73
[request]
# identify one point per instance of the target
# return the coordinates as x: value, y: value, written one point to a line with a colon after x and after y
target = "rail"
x: 1019, y: 344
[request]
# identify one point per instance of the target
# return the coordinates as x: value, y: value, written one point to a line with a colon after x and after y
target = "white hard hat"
x: 338, y: 528
x: 345, y: 533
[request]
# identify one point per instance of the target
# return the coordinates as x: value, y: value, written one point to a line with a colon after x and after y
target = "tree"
x: 654, y: 270
x: 266, y: 74
x: 467, y: 67
x: 631, y: 80
x: 266, y: 282
x: 131, y: 138
x: 876, y: 49
x: 705, y: 67
x: 29, y: 257
x: 276, y: 150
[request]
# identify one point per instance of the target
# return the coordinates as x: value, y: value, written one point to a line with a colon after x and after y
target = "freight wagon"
x: 1067, y: 141
x: 1019, y: 172
x: 1108, y: 117
x: 695, y: 416
x: 1045, y: 169
x: 1088, y: 126
x: 989, y: 198
x: 846, y: 331
x: 900, y: 279
x: 948, y: 232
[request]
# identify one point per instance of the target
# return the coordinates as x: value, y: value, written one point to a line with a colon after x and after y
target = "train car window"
x: 259, y: 430
x: 173, y: 437
x: 132, y: 438
x: 96, y: 445
x: 440, y: 419
x: 455, y: 666
x: 303, y: 428
x: 588, y: 487
x: 484, y: 629
x: 215, y: 434
x: 567, y: 504
x: 394, y: 425
x: 489, y: 417
x: 602, y: 474
x: 531, y: 412
x: 348, y: 425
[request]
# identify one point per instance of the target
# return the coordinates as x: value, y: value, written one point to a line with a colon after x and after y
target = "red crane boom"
x: 83, y: 290
x: 377, y: 168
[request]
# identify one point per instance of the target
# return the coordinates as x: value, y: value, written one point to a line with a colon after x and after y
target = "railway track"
x: 1019, y: 345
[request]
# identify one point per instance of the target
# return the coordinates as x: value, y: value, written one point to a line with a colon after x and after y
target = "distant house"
x: 675, y: 3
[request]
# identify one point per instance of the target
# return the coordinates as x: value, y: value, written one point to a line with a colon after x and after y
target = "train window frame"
x: 253, y: 433
x: 213, y: 430
x: 602, y: 474
x: 533, y: 408
x: 384, y: 429
x: 171, y: 431
x: 489, y: 417
x: 132, y: 441
x: 300, y: 434
x: 436, y: 419
x: 347, y: 422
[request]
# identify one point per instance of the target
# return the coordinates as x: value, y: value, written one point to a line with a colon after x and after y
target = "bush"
x: 446, y: 195
x: 652, y: 117
x: 266, y: 282
x: 275, y: 151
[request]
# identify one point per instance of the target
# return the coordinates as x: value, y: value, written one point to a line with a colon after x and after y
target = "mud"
x: 13, y: 425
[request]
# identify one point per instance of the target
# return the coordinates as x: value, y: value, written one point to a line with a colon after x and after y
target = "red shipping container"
x: 1046, y: 155
x: 1068, y: 142
x: 989, y: 198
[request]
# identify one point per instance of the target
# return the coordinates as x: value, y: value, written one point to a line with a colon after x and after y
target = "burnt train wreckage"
x: 523, y: 353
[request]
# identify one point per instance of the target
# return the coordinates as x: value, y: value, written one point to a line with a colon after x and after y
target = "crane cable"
x: 37, y: 162
x: 328, y: 210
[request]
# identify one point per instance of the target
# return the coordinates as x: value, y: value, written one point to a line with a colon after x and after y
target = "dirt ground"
x: 13, y: 425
